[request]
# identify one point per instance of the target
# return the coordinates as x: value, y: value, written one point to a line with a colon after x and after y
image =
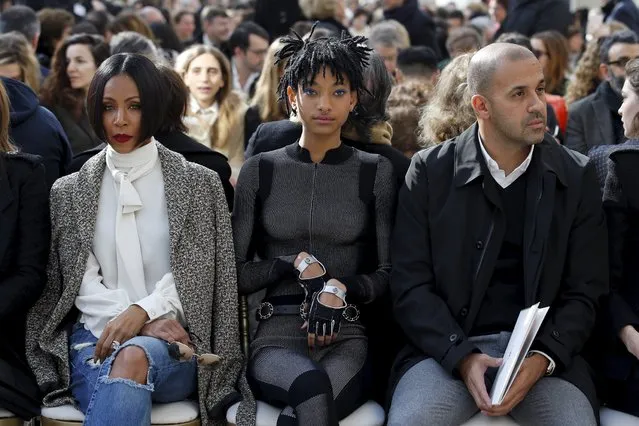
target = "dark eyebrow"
x: 106, y: 98
x: 523, y: 87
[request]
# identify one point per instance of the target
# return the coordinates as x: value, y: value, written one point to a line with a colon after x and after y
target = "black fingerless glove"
x: 324, y: 320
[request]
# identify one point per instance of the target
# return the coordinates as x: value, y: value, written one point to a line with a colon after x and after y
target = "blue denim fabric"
x: 117, y: 401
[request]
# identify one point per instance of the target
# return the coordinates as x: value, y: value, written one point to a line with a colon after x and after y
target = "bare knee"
x: 130, y: 363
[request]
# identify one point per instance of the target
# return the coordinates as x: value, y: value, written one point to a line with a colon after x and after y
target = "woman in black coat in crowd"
x: 620, y: 362
x: 24, y: 244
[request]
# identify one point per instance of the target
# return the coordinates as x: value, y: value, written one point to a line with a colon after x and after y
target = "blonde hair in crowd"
x: 228, y: 101
x: 15, y: 49
x: 265, y: 97
x: 5, y: 144
x: 449, y: 111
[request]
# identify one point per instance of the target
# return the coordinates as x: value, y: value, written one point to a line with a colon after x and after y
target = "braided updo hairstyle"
x: 345, y: 57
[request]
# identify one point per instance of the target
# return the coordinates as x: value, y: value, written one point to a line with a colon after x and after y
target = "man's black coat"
x: 448, y: 233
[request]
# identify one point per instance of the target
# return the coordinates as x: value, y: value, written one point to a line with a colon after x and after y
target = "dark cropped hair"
x: 625, y: 37
x: 57, y: 88
x: 21, y: 19
x: 240, y: 37
x: 158, y: 98
x: 417, y: 61
x: 180, y: 14
x: 346, y: 57
x: 515, y: 38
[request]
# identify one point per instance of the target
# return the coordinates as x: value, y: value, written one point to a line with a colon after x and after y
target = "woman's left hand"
x: 120, y: 329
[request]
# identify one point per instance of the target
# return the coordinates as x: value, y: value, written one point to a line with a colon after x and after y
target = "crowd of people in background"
x: 225, y: 102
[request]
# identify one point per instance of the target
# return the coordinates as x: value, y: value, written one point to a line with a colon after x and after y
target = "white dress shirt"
x: 104, y: 293
x: 497, y: 173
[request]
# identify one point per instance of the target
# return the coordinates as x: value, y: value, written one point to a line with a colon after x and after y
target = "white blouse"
x: 104, y: 292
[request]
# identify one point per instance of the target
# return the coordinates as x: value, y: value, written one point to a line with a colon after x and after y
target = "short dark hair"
x: 180, y: 14
x: 21, y: 19
x: 84, y: 27
x: 625, y: 37
x: 100, y: 19
x: 363, y: 12
x: 456, y: 14
x: 345, y: 57
x: 153, y: 86
x: 210, y: 13
x: 515, y: 38
x: 241, y: 35
x: 417, y: 61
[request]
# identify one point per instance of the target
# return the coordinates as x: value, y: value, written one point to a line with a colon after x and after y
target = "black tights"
x: 315, y: 393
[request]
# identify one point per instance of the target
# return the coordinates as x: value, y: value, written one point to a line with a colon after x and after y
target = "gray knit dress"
x: 286, y: 204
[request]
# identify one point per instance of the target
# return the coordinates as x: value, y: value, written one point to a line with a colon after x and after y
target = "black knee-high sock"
x: 311, y: 396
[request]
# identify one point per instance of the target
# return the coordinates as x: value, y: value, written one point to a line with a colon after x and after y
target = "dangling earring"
x: 293, y: 109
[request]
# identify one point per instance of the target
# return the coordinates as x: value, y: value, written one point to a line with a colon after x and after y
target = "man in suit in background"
x: 594, y: 120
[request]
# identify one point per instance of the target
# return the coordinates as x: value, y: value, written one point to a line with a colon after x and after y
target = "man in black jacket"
x: 528, y: 17
x: 490, y: 223
x: 419, y: 25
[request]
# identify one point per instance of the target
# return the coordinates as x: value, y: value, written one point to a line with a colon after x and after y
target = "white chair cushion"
x: 63, y: 412
x: 369, y: 414
x: 5, y: 414
x: 617, y: 418
x: 161, y: 414
x: 481, y: 420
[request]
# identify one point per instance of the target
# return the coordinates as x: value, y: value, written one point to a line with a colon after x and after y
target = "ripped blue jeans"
x: 117, y: 401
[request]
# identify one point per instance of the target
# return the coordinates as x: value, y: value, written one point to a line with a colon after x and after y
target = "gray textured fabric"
x: 202, y: 264
x: 427, y: 394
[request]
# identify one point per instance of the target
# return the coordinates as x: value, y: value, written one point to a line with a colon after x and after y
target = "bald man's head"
x: 488, y: 60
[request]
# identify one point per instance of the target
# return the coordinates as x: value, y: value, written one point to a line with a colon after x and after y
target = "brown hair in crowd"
x: 53, y: 22
x: 556, y: 47
x: 129, y: 21
x: 57, y: 88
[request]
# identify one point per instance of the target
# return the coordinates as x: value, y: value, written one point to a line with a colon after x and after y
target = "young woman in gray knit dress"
x: 311, y: 226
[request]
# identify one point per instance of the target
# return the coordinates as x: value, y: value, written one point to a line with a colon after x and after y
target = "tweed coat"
x: 202, y: 262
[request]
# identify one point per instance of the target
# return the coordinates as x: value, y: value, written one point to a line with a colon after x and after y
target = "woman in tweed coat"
x: 91, y: 340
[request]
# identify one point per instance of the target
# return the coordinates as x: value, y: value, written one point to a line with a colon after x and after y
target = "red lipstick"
x: 122, y: 138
